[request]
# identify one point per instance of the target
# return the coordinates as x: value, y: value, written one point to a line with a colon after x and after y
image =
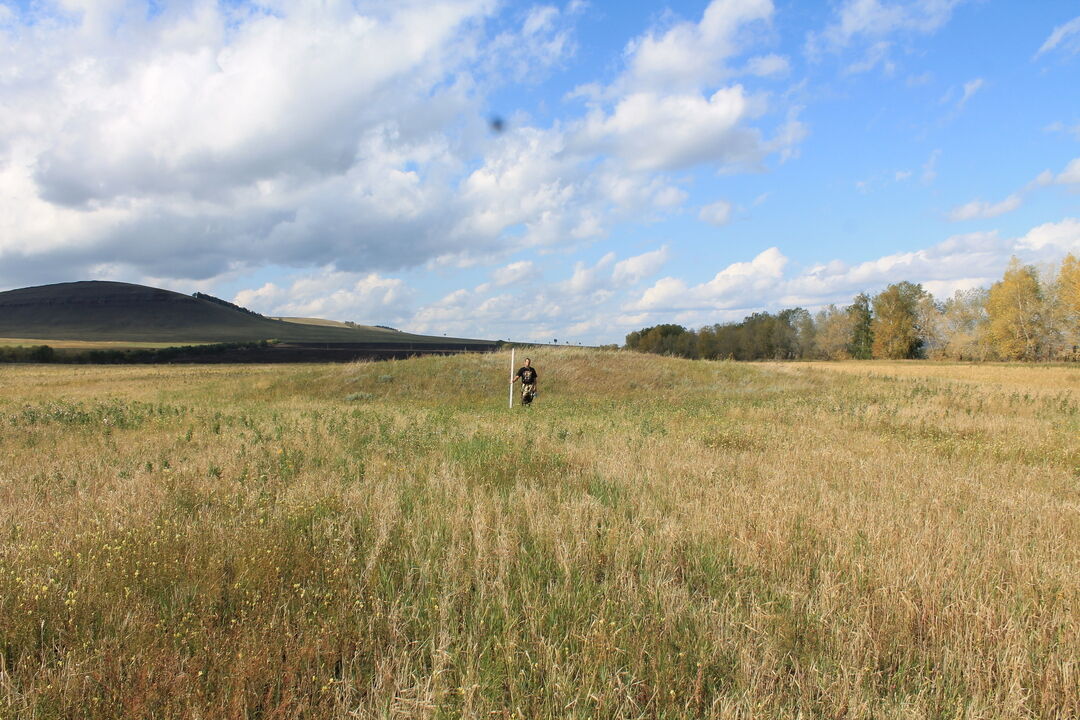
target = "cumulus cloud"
x: 588, y: 279
x: 1053, y: 239
x: 205, y: 139
x: 979, y: 209
x: 769, y: 282
x: 602, y: 300
x: 514, y: 273
x: 666, y: 132
x: 692, y: 55
x: 729, y: 288
x: 544, y: 40
x: 578, y: 307
x: 174, y: 141
x: 367, y: 299
x: 634, y: 269
x: 1065, y: 37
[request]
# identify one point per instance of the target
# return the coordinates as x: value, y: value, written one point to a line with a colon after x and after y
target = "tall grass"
x: 654, y: 538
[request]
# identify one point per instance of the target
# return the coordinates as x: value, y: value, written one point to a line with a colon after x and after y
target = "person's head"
x: 528, y: 362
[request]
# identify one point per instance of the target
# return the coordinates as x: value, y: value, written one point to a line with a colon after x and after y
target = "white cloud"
x: 873, y: 24
x: 544, y: 40
x: 717, y: 213
x: 601, y: 301
x: 958, y: 259
x: 1053, y: 239
x: 957, y: 263
x: 364, y: 298
x: 514, y: 273
x: 665, y: 132
x: 768, y: 65
x: 170, y: 145
x: 665, y: 112
x: 929, y: 168
x: 1070, y: 175
x: 728, y: 288
x: 576, y: 308
x: 876, y: 54
x: 875, y: 19
x: 970, y: 88
x: 1067, y: 36
x: 634, y: 269
x: 588, y: 279
x: 692, y: 55
x: 1060, y: 127
x: 979, y: 209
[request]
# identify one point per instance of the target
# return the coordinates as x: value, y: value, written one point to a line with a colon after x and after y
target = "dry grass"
x: 655, y: 538
x: 1020, y: 376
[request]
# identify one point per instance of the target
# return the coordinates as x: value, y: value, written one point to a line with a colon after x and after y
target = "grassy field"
x: 654, y: 538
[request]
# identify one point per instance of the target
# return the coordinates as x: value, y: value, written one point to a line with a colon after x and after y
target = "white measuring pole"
x: 511, y: 378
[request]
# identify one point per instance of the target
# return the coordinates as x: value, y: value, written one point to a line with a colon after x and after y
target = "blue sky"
x: 687, y: 162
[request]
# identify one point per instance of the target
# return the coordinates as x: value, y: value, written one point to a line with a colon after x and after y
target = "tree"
x: 1015, y: 311
x: 1068, y: 305
x: 833, y: 332
x: 661, y: 339
x: 896, y: 321
x: 964, y: 325
x: 930, y: 326
x: 862, y: 328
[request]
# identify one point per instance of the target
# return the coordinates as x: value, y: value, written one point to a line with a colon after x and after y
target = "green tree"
x: 1015, y: 310
x: 660, y: 339
x: 862, y: 328
x: 896, y: 321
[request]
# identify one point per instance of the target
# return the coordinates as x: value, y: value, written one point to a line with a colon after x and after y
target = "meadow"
x: 654, y: 538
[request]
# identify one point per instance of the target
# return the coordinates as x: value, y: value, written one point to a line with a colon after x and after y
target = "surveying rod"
x: 511, y: 378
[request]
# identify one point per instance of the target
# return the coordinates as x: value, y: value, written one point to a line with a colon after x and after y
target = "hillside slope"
x: 101, y: 310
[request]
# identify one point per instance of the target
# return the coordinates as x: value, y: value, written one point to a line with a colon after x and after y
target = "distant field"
x: 1045, y: 377
x: 655, y: 538
x: 312, y: 321
x: 331, y: 323
x: 86, y: 344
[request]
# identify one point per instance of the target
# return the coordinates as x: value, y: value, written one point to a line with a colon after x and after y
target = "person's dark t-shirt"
x: 527, y: 375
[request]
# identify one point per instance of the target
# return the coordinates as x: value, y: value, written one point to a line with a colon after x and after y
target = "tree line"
x: 1027, y: 315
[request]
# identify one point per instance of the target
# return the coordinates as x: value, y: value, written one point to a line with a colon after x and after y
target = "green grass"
x: 653, y: 538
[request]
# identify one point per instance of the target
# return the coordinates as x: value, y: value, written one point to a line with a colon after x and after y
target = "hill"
x: 115, y: 311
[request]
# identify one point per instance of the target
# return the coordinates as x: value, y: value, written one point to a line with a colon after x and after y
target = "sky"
x: 536, y: 172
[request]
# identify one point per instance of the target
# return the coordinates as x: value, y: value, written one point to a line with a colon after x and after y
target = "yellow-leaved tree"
x: 1015, y: 309
x: 896, y: 321
x: 1068, y: 296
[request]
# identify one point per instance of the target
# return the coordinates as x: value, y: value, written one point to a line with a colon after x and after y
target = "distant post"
x: 511, y: 378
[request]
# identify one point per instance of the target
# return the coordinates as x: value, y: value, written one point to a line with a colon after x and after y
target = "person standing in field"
x: 527, y: 374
